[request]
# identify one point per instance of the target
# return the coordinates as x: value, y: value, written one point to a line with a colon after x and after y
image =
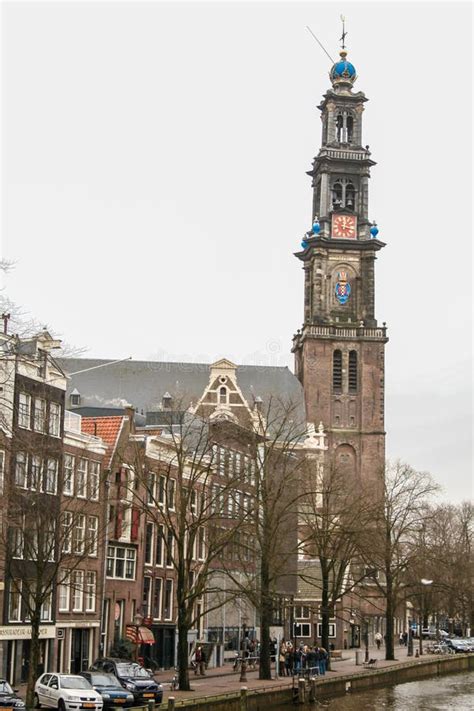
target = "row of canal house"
x: 74, y: 496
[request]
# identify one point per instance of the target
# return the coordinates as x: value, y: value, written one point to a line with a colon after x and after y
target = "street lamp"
x: 424, y: 582
x: 138, y: 621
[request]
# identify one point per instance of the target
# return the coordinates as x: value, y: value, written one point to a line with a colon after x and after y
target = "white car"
x: 66, y: 692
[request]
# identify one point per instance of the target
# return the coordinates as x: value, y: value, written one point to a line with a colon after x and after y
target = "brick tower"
x: 339, y: 352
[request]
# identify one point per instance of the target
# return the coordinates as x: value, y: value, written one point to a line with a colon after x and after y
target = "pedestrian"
x: 323, y: 655
x: 282, y: 659
x: 401, y: 640
x: 378, y: 639
x: 200, y: 659
x: 405, y: 638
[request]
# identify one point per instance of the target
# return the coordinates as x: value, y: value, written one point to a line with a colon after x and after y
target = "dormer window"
x: 166, y: 401
x: 75, y: 398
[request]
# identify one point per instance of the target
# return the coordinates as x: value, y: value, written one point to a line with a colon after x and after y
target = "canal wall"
x: 388, y: 676
x: 267, y: 697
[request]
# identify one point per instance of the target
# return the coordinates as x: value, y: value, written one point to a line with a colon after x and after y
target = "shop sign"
x: 9, y: 632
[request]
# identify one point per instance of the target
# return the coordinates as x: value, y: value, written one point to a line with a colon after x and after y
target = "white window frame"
x: 51, y: 476
x: 201, y: 543
x: 160, y: 606
x: 162, y: 490
x: 36, y: 473
x: 17, y: 541
x: 79, y: 535
x: 17, y: 592
x: 171, y: 494
x: 129, y: 555
x: 301, y: 629
x: 92, y: 535
x: 66, y: 532
x: 160, y: 547
x: 94, y: 479
x: 21, y: 466
x: 301, y: 609
x: 170, y: 611
x: 332, y: 629
x: 221, y: 467
x: 77, y: 580
x: 39, y: 415
x: 68, y: 474
x: 64, y: 592
x: 149, y: 561
x: 54, y: 419
x: 81, y: 477
x: 46, y: 611
x: 91, y: 590
x: 24, y: 411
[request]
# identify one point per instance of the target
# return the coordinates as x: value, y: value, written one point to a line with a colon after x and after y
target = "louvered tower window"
x: 337, y: 371
x: 352, y: 371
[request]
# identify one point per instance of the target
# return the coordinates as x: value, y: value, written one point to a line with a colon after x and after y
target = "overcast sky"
x: 154, y: 187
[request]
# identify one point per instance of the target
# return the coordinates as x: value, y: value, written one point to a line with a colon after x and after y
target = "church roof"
x: 142, y: 383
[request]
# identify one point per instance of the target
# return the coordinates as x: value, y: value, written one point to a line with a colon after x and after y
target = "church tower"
x: 339, y: 351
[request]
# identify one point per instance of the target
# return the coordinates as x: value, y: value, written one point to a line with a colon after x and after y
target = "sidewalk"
x: 223, y: 680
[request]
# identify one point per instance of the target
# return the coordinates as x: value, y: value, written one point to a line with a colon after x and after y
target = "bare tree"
x: 446, y: 557
x: 43, y: 545
x: 390, y: 544
x: 272, y: 526
x: 197, y: 511
x: 334, y: 514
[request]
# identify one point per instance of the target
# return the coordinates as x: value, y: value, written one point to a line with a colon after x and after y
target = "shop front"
x: 78, y: 646
x: 161, y: 654
x: 16, y: 642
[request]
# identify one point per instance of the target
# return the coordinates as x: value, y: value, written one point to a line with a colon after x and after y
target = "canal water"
x: 455, y: 691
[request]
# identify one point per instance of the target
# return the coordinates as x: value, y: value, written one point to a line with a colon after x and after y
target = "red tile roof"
x: 108, y: 429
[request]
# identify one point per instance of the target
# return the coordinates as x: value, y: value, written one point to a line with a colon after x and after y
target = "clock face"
x: 344, y: 226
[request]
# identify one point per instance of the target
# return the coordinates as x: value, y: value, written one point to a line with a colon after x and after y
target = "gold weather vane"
x: 344, y: 33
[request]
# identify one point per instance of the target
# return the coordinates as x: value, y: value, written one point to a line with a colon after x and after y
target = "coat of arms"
x: 343, y: 288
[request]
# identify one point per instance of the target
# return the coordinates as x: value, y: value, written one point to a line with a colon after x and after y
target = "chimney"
x: 129, y: 412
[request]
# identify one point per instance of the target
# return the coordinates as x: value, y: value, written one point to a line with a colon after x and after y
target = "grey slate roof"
x: 143, y: 383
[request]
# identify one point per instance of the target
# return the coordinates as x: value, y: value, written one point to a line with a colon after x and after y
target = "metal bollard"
x: 312, y: 689
x: 151, y: 706
x: 171, y: 703
x: 243, y: 671
x: 243, y: 698
x: 301, y: 691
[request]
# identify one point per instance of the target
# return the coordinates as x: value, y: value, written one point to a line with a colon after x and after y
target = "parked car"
x: 459, y: 646
x: 132, y: 677
x: 8, y: 696
x: 109, y: 687
x: 66, y: 692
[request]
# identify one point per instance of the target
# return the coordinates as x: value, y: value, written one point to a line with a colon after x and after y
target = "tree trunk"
x: 325, y: 613
x: 183, y: 671
x: 265, y: 622
x: 34, y: 658
x: 390, y: 608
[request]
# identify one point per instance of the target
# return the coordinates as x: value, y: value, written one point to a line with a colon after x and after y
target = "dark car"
x: 8, y: 697
x: 109, y: 687
x: 132, y: 677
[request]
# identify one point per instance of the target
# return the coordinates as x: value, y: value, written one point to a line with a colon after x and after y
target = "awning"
x: 145, y: 636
